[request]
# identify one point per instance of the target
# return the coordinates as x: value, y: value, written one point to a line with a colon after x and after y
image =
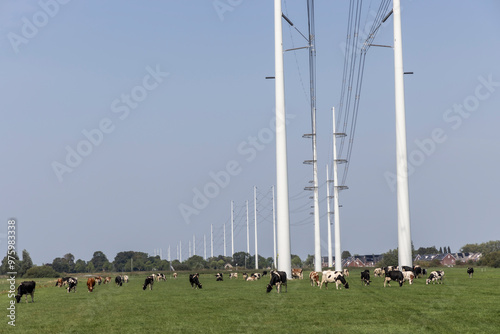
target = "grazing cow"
x: 408, y: 276
x: 245, y: 276
x: 394, y: 275
x: 175, y: 275
x: 314, y: 278
x: 470, y: 271
x: 118, y: 280
x: 218, y: 277
x: 148, y: 282
x: 90, y: 283
x: 233, y: 275
x: 62, y: 281
x: 278, y: 278
x: 333, y: 276
x: 297, y: 273
x: 26, y: 288
x: 72, y: 282
x: 377, y: 272
x: 125, y: 278
x: 107, y: 280
x: 346, y: 272
x: 365, y: 277
x: 161, y: 276
x: 417, y: 271
x: 435, y: 276
x: 194, y: 280
x: 98, y: 280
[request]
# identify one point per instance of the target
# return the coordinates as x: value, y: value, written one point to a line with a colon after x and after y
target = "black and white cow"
x: 194, y: 280
x: 118, y: 280
x: 219, y: 277
x: 394, y: 275
x: 365, y: 277
x: 470, y: 271
x: 26, y: 288
x: 72, y: 282
x: 278, y: 278
x: 330, y: 276
x: 407, y: 268
x: 417, y: 271
x: 435, y: 276
x: 148, y: 282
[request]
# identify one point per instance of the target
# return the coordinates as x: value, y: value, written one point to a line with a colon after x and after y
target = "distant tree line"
x: 128, y: 261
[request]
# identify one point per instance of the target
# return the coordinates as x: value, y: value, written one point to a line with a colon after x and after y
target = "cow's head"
x: 346, y: 285
x: 269, y: 288
x: 401, y: 283
x: 18, y: 298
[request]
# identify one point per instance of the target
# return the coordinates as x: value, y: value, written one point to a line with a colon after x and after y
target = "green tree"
x: 485, y: 248
x: 99, y: 259
x: 427, y: 250
x: 345, y: 254
x: 41, y: 271
x: 26, y: 263
x: 60, y: 265
x: 70, y: 260
x: 196, y: 262
x: 440, y: 250
x: 90, y: 267
x: 80, y: 266
x: 309, y: 262
x: 389, y: 259
x: 240, y: 258
x: 296, y: 261
x: 491, y: 259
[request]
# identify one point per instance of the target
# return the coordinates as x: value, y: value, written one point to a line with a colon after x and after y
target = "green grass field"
x: 460, y: 305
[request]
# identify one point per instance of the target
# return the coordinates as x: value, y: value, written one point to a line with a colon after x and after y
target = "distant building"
x: 449, y: 259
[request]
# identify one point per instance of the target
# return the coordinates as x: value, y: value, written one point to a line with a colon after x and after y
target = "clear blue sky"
x: 159, y: 96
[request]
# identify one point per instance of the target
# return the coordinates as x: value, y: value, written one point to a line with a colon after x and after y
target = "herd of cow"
x: 278, y: 279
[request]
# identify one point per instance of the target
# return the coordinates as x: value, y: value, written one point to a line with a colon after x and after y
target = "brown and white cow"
x: 107, y: 280
x: 175, y: 275
x: 233, y: 275
x: 314, y: 278
x: 98, y: 280
x: 91, y: 283
x: 408, y: 276
x: 346, y: 272
x: 297, y: 273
